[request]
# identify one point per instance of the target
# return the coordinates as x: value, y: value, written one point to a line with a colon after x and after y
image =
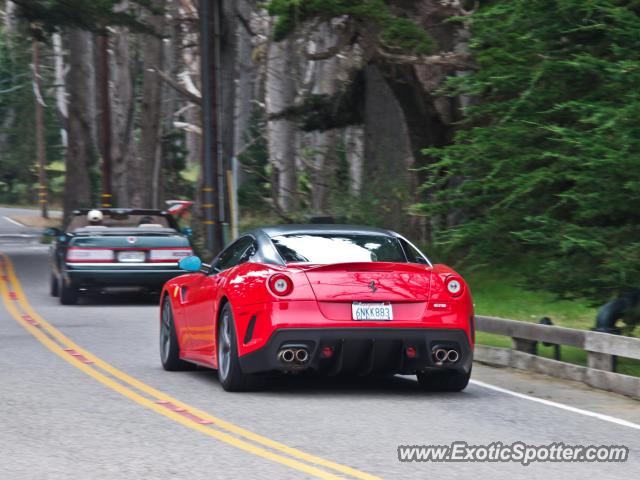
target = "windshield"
x: 338, y: 248
x: 120, y: 220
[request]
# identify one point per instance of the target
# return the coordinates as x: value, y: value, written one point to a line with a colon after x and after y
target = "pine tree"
x: 547, y: 162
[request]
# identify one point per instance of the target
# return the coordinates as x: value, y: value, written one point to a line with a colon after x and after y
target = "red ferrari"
x: 329, y: 298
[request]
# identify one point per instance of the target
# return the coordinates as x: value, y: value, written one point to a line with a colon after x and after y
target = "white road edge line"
x: 562, y: 406
x: 15, y: 222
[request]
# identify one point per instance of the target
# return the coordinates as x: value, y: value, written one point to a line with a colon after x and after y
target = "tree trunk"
x: 244, y: 86
x: 354, y: 150
x: 323, y: 143
x: 39, y: 124
x: 81, y: 153
x: 387, y: 152
x: 9, y: 117
x: 105, y: 134
x: 146, y: 169
x: 123, y: 148
x: 228, y: 75
x: 171, y: 102
x: 61, y: 94
x: 424, y: 125
x: 281, y: 133
x: 191, y: 75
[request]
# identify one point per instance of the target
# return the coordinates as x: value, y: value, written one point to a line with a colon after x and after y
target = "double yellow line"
x: 17, y: 305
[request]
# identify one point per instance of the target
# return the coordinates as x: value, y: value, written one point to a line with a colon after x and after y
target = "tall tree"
x: 123, y: 107
x: 39, y: 124
x: 548, y: 158
x: 281, y: 132
x: 147, y: 193
x: 81, y: 154
x: 410, y: 45
x: 79, y: 17
x: 324, y: 144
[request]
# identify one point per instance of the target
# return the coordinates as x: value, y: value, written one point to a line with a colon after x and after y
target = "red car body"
x: 315, y: 313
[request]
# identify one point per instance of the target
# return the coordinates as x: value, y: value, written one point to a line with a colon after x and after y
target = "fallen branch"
x: 192, y: 97
x: 460, y: 61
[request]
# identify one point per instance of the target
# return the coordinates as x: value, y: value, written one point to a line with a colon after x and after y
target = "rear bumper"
x: 96, y: 277
x: 361, y: 351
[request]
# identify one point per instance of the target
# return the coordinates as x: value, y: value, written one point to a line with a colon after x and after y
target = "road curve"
x: 104, y: 408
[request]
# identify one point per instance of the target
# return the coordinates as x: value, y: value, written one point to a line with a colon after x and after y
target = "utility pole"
x: 105, y: 100
x: 213, y: 197
x: 40, y: 149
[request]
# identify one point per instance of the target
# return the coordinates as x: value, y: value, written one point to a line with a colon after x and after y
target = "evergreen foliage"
x: 396, y: 32
x: 46, y: 16
x: 547, y: 164
x: 18, y: 165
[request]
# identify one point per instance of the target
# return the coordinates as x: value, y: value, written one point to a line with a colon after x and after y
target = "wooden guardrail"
x: 601, y: 349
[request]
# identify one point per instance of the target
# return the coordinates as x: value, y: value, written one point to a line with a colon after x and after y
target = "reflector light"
x: 454, y: 287
x: 78, y: 254
x: 326, y: 352
x: 411, y: 352
x: 281, y: 285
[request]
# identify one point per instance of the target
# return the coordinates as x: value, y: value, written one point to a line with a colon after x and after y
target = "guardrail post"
x: 524, y: 345
x: 601, y: 361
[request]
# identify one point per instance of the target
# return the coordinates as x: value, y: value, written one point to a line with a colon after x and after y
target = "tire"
x: 68, y: 293
x: 230, y: 374
x: 169, y: 347
x: 444, y: 381
x: 54, y: 285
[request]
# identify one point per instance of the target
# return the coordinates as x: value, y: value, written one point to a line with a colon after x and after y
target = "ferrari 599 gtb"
x: 329, y: 298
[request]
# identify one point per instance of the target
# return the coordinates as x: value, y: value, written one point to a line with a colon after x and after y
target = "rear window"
x: 338, y: 248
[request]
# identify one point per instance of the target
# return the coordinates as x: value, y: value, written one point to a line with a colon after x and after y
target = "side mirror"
x: 188, y: 231
x: 51, y: 232
x: 190, y: 264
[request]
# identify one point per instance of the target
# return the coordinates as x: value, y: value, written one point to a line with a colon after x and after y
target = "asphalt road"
x: 60, y: 420
x: 9, y: 226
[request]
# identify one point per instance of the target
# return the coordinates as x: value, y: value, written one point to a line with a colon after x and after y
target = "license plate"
x: 371, y: 311
x: 131, y: 257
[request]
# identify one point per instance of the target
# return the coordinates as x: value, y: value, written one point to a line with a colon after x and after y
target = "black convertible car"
x: 116, y: 247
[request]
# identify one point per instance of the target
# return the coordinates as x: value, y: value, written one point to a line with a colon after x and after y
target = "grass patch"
x: 502, y: 295
x: 33, y: 221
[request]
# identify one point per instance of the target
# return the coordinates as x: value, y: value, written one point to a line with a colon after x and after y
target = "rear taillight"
x: 169, y: 254
x: 454, y: 286
x: 281, y: 285
x: 78, y: 254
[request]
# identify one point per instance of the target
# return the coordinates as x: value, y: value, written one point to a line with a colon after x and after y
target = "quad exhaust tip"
x: 286, y: 355
x: 291, y: 355
x: 443, y: 355
x: 302, y: 355
x: 453, y: 356
x: 440, y: 354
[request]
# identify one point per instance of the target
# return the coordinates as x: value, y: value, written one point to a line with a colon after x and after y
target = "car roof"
x: 293, y: 229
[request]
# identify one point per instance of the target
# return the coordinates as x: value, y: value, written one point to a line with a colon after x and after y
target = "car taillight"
x: 169, y: 254
x: 454, y: 286
x: 79, y: 254
x: 280, y: 284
